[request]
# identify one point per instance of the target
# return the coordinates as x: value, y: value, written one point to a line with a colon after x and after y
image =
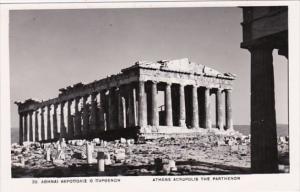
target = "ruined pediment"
x: 180, y: 65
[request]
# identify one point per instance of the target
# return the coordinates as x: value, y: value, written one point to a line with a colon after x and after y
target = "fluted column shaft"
x: 48, y: 122
x: 36, y: 114
x: 77, y: 126
x: 154, y: 107
x: 102, y: 111
x: 70, y: 121
x: 207, y: 108
x: 142, y: 112
x: 85, y: 115
x: 195, y: 117
x: 42, y: 124
x: 62, y: 121
x: 182, y: 115
x: 168, y: 103
x: 55, y: 129
x: 93, y: 112
x: 21, y: 128
x: 26, y: 127
x: 30, y: 126
x: 229, y: 121
x: 219, y: 110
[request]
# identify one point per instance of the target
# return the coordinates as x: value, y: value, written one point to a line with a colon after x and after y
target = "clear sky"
x: 51, y: 49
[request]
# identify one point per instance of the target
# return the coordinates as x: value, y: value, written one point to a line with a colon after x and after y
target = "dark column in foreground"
x: 264, y: 154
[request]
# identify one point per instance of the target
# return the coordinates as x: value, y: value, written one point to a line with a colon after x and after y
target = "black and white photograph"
x: 177, y: 93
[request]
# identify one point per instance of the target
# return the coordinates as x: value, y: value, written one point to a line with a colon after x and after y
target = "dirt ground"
x: 199, y: 155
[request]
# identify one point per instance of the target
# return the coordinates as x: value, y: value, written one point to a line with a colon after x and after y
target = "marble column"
x: 123, y: 102
x: 135, y: 106
x: 25, y: 127
x: 264, y: 152
x: 195, y: 116
x: 36, y: 116
x: 219, y: 110
x: 77, y: 126
x: 120, y: 109
x: 70, y: 121
x: 21, y: 128
x: 207, y: 108
x: 182, y: 115
x: 93, y: 113
x: 49, y: 122
x: 154, y: 107
x: 85, y: 115
x: 30, y: 126
x: 228, y: 109
x: 142, y: 112
x: 102, y: 111
x: 62, y: 121
x: 168, y: 103
x: 55, y: 128
x: 43, y: 124
x: 111, y: 106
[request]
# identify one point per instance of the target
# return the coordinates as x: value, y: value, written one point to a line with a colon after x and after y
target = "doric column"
x: 85, y: 115
x: 195, y: 117
x: 264, y: 152
x: 101, y: 111
x: 36, y: 116
x: 55, y: 128
x: 21, y: 128
x: 168, y: 102
x: 228, y: 109
x: 123, y: 101
x: 42, y: 124
x: 62, y: 121
x: 142, y: 113
x: 70, y: 121
x: 207, y: 108
x: 154, y: 109
x: 77, y: 126
x: 219, y: 111
x: 48, y: 122
x: 30, y: 126
x: 182, y: 116
x: 135, y: 107
x: 93, y: 112
x: 25, y: 127
x: 111, y: 106
x: 121, y: 117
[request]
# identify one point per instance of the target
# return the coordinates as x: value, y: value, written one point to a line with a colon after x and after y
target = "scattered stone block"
x: 172, y: 165
x: 123, y: 140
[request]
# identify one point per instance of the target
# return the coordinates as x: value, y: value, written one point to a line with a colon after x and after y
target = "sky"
x: 52, y: 49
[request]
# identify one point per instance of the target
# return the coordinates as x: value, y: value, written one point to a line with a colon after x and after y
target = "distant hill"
x: 282, y: 130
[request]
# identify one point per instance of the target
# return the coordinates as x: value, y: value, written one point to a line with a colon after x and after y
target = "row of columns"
x: 182, y: 107
x: 82, y: 116
x: 117, y: 107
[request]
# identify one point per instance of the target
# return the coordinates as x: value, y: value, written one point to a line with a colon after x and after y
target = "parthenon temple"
x: 127, y: 104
